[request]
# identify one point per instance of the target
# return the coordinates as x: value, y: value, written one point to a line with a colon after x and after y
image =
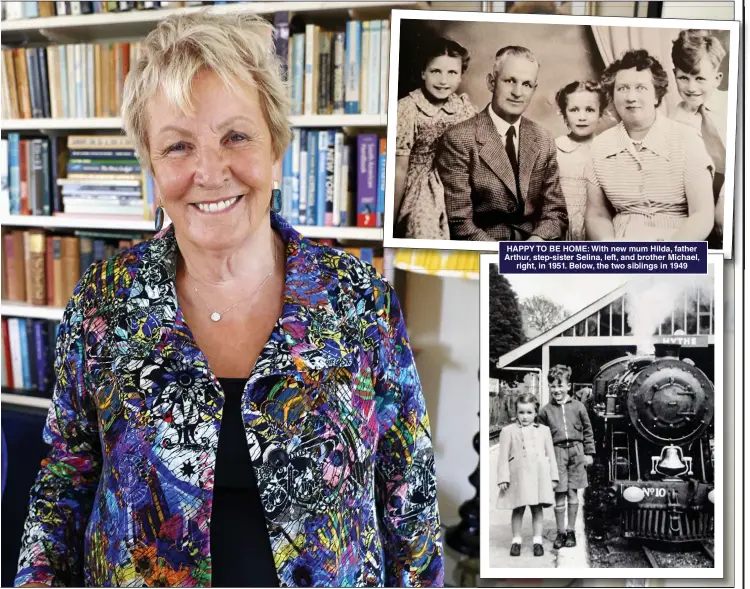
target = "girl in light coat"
x: 526, y: 471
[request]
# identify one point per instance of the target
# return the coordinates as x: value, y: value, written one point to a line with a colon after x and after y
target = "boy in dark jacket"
x: 573, y: 439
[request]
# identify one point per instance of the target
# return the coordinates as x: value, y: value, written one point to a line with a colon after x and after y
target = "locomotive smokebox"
x: 669, y: 350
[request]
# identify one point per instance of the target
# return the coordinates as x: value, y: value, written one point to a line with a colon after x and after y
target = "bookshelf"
x: 14, y: 309
x: 26, y: 400
x: 122, y: 29
x: 114, y: 123
x: 138, y: 23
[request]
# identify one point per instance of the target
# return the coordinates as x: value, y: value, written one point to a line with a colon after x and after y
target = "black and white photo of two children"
x: 528, y: 127
x: 602, y: 424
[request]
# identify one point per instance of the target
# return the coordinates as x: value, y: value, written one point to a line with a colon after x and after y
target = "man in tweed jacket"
x: 499, y: 169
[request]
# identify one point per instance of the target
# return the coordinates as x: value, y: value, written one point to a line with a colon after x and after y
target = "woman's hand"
x: 588, y: 460
x: 503, y: 487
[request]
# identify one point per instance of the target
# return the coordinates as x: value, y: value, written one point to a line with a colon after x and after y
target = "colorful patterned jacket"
x: 336, y: 428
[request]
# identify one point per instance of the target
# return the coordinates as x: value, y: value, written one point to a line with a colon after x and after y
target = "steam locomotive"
x: 654, y: 414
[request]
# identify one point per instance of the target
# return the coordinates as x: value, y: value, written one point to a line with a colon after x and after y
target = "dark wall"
x: 22, y: 429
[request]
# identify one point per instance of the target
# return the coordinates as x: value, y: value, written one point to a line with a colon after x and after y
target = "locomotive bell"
x: 671, y: 463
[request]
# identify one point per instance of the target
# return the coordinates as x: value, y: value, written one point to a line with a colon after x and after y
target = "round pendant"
x: 215, y: 316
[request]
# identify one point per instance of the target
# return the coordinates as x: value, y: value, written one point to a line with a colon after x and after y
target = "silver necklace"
x: 215, y: 315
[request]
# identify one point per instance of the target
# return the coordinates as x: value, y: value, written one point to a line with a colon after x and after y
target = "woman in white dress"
x: 650, y: 176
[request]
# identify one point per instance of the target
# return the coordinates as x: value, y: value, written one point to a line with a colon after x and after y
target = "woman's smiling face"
x: 213, y: 170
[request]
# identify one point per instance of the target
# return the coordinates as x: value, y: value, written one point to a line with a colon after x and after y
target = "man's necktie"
x: 510, y: 149
x: 715, y: 147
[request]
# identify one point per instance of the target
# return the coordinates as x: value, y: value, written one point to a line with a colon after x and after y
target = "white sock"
x: 516, y: 540
x: 537, y: 540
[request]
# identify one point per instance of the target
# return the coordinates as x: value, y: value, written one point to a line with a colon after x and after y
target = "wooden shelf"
x: 115, y: 123
x: 14, y: 309
x: 102, y: 223
x: 26, y: 400
x: 99, y: 223
x: 138, y: 23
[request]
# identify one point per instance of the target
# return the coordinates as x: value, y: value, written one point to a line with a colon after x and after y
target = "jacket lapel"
x: 151, y: 306
x: 528, y: 153
x: 492, y: 151
x: 300, y: 348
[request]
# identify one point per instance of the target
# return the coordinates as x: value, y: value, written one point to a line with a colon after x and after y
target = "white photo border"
x: 716, y: 263
x: 397, y: 15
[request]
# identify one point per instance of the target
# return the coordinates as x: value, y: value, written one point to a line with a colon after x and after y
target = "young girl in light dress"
x: 581, y: 105
x: 423, y: 116
x: 526, y: 470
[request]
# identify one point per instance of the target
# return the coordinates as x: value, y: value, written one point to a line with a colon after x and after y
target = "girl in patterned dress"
x: 423, y: 116
x: 581, y: 105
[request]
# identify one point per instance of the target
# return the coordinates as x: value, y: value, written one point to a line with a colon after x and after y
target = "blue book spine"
x: 320, y: 189
x: 79, y: 72
x: 367, y: 254
x: 296, y: 143
x: 30, y: 10
x: 312, y: 174
x: 346, y: 173
x: 353, y: 56
x: 35, y: 88
x: 62, y: 58
x: 150, y: 199
x: 381, y: 184
x: 41, y: 338
x: 286, y: 184
x: 14, y: 174
x: 304, y: 170
x: 298, y: 73
x: 25, y: 365
x: 99, y: 251
x: 330, y: 177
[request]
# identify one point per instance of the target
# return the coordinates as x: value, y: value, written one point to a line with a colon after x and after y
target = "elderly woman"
x: 650, y: 177
x: 235, y: 405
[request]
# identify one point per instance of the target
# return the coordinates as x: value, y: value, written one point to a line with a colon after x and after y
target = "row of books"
x: 42, y: 268
x: 329, y: 73
x: 80, y: 175
x: 78, y: 80
x: 28, y: 354
x: 22, y: 10
x: 329, y: 181
x: 337, y: 72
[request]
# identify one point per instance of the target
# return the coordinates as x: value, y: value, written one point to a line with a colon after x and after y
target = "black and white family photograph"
x: 601, y: 425
x: 506, y: 127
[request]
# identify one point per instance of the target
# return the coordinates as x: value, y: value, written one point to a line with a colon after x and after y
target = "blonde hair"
x: 237, y: 47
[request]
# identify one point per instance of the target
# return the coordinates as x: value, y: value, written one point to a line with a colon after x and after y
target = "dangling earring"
x: 159, y: 218
x: 276, y: 198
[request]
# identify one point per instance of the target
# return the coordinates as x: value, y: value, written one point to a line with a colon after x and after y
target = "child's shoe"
x: 560, y: 540
x: 515, y: 549
x: 538, y: 550
x: 570, y: 539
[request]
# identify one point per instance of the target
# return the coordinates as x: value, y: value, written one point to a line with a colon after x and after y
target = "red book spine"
x: 6, y: 355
